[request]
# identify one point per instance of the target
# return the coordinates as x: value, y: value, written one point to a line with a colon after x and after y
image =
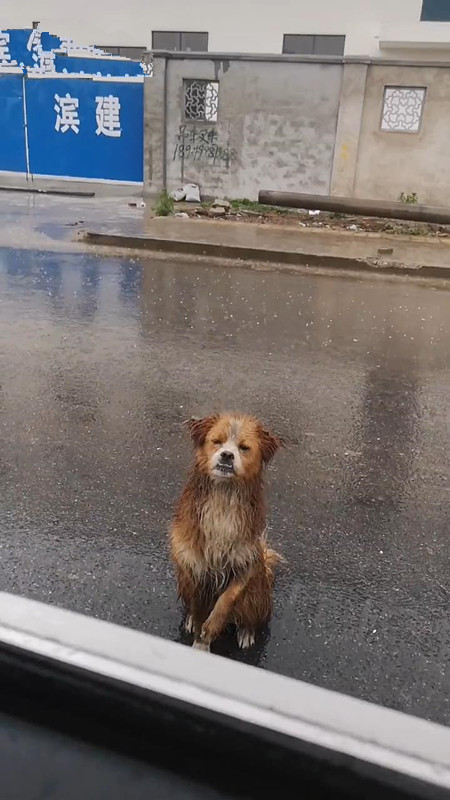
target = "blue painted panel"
x: 49, y: 41
x: 103, y: 66
x: 12, y: 128
x: 76, y: 150
x: 18, y: 41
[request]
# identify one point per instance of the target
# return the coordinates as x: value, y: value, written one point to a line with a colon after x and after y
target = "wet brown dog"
x: 224, y: 567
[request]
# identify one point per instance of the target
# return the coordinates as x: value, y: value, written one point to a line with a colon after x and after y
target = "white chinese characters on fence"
x: 107, y: 115
x: 67, y: 113
x: 34, y: 44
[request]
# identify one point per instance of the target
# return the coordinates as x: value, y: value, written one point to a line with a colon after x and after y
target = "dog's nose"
x: 227, y: 456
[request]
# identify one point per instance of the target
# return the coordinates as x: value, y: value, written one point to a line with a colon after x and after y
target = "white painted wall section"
x: 236, y: 26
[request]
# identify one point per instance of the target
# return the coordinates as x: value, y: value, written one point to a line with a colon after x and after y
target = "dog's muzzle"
x: 225, y: 464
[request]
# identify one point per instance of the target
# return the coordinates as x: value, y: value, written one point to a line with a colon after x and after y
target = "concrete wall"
x: 299, y: 125
x: 390, y: 163
x: 276, y: 123
x: 351, y: 107
x: 236, y: 26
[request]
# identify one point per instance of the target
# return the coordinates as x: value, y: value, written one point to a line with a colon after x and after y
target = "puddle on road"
x: 101, y: 360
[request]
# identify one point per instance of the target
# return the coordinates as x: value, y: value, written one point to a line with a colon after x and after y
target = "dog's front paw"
x: 211, y: 629
x: 245, y: 638
x: 189, y: 624
x: 199, y: 645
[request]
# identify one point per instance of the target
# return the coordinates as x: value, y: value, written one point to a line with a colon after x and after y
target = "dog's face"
x: 232, y: 446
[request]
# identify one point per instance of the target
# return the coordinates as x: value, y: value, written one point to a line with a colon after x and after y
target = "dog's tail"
x: 271, y: 559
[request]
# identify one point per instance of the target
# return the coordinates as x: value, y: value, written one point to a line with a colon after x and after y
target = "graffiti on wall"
x: 202, y: 146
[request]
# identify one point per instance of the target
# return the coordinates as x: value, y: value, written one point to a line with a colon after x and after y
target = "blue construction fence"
x: 35, y: 49
x: 97, y: 65
x: 71, y: 126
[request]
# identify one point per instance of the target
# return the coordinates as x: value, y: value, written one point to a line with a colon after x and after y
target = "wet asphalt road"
x: 101, y: 360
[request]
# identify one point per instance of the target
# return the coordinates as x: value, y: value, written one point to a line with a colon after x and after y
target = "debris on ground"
x: 192, y: 193
x: 178, y: 195
x: 189, y: 192
x: 247, y: 211
x: 221, y: 203
x: 385, y: 251
x: 217, y: 211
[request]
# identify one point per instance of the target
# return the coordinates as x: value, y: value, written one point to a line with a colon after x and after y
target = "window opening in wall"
x: 435, y: 11
x: 191, y: 41
x: 313, y: 45
x: 201, y: 100
x: 403, y: 108
x: 135, y: 53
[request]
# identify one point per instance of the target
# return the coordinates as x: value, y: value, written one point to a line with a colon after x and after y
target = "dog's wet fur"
x: 224, y: 566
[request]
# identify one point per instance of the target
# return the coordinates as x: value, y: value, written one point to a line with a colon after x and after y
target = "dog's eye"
x: 244, y: 447
x: 217, y: 441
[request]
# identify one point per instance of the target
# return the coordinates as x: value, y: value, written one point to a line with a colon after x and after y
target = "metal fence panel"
x: 12, y: 124
x: 20, y: 48
x: 96, y: 66
x: 49, y: 41
x: 85, y: 129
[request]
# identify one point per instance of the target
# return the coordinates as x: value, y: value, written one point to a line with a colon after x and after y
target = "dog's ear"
x: 199, y: 428
x: 270, y: 443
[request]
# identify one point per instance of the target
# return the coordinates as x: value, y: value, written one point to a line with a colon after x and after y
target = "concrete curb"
x: 255, y: 254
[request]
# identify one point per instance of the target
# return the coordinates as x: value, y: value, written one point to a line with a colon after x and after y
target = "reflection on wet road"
x: 101, y: 360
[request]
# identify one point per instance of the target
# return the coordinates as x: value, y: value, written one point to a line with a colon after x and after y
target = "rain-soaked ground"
x: 102, y: 359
